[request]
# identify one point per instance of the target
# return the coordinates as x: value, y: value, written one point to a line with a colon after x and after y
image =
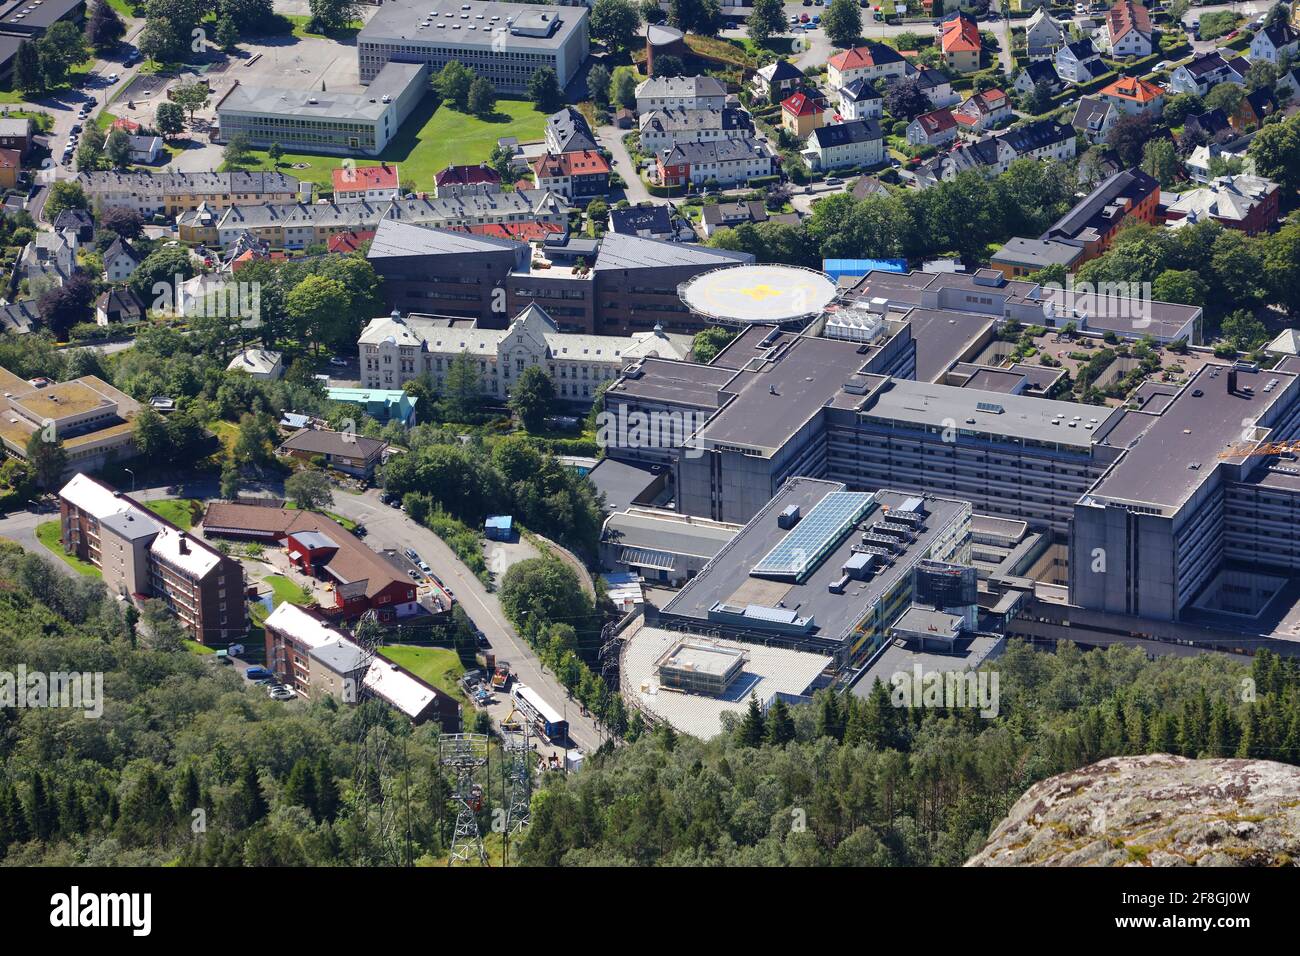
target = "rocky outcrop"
x: 1156, y: 810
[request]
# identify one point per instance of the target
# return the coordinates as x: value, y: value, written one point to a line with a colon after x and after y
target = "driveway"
x: 611, y: 138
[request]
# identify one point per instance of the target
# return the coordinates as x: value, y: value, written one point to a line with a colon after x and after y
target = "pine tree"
x: 327, y: 791
x: 780, y: 725
x: 187, y: 790
x: 300, y: 788
x: 27, y: 68
x: 750, y: 732
x: 42, y: 813
x: 72, y: 814
x: 830, y: 718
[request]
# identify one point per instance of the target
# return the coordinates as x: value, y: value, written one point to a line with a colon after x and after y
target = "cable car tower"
x: 465, y: 756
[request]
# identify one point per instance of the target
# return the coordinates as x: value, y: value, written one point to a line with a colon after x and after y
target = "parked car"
x: 282, y: 694
x: 803, y: 18
x: 257, y: 673
x: 340, y: 362
x: 424, y: 567
x: 234, y: 650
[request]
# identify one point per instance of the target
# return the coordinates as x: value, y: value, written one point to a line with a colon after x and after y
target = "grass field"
x: 47, y: 532
x: 428, y: 141
x: 75, y: 75
x: 282, y: 589
x: 176, y: 510
x: 196, y: 648
x: 435, y: 665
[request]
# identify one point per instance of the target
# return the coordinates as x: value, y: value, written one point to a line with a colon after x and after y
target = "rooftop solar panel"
x: 803, y: 548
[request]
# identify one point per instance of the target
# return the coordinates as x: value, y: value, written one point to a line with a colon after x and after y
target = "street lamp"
x: 132, y: 474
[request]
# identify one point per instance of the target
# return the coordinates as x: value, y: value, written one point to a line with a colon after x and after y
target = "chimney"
x: 184, y: 543
x: 1232, y: 381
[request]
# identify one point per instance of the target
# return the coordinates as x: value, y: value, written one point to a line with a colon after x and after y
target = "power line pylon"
x: 465, y: 756
x: 516, y: 785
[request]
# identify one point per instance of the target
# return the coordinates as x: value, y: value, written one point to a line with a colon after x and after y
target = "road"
x: 634, y: 191
x: 390, y: 528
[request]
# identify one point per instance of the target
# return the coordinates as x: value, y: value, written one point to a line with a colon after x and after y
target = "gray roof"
x: 1193, y: 430
x: 622, y: 482
x: 1038, y: 253
x: 570, y: 130
x: 1010, y: 418
x: 659, y: 86
x: 667, y: 532
x: 618, y: 251
x: 654, y: 218
x: 369, y: 104
x: 1094, y: 210
x: 342, y: 657
x: 969, y: 653
x: 727, y: 578
x: 247, y: 182
x: 321, y: 442
x: 526, y: 26
x: 716, y: 151
x: 943, y: 336
x: 394, y: 238
x: 842, y: 134
x: 20, y: 316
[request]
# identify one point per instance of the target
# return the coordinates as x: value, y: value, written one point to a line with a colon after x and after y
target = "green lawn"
x: 75, y: 76
x: 282, y: 589
x: 438, y: 666
x: 300, y: 22
x: 176, y: 510
x: 428, y: 141
x: 197, y: 648
x: 47, y: 532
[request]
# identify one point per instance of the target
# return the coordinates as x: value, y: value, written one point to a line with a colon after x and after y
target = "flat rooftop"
x: 525, y: 26
x: 1201, y: 427
x: 944, y: 337
x: 777, y: 394
x: 668, y: 531
x: 622, y: 482
x: 768, y: 671
x: 1014, y: 418
x: 969, y: 653
x: 678, y: 383
x: 61, y: 401
x: 362, y: 103
x: 727, y: 578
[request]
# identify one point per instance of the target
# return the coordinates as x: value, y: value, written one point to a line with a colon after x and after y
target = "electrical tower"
x: 516, y: 785
x: 372, y: 747
x: 465, y: 756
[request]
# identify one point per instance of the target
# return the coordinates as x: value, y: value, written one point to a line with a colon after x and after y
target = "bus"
x: 544, y: 717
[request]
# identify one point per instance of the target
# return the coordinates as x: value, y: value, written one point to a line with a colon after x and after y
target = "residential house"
x: 16, y: 133
x: 1093, y: 118
x: 1276, y: 42
x: 459, y: 180
x: 347, y: 452
x: 861, y: 100
x: 1037, y: 72
x: 1250, y: 204
x: 935, y: 85
x: 1044, y: 140
x: 373, y: 184
x: 121, y: 304
x: 801, y: 113
x: 726, y: 162
x: 1132, y: 95
x: 776, y: 81
x: 1079, y: 62
x: 983, y: 111
x: 864, y: 187
x: 79, y: 221
x: 1289, y: 84
x: 935, y: 128
x: 680, y: 92
x: 857, y: 143
x: 576, y: 175
x: 265, y: 365
x: 1125, y: 197
x: 146, y: 150
x: 1043, y: 35
x: 664, y: 129
x: 990, y: 156
x: 1254, y: 108
x: 1213, y: 125
x: 961, y: 43
x: 1128, y: 30
x: 1202, y: 73
x: 19, y: 318
x: 651, y: 221
x: 120, y: 261
x: 568, y: 132
x: 872, y: 61
x: 728, y: 215
x: 49, y: 258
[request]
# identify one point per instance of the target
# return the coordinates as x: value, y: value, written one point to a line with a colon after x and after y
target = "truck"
x: 501, y: 675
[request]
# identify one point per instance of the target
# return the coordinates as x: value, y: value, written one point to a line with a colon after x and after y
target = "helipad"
x: 758, y: 294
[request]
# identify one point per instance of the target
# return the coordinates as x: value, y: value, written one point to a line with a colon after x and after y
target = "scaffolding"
x: 465, y: 758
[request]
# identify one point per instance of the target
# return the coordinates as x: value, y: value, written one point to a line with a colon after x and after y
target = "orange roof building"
x: 1132, y: 94
x: 366, y: 182
x: 961, y: 44
x: 801, y: 114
